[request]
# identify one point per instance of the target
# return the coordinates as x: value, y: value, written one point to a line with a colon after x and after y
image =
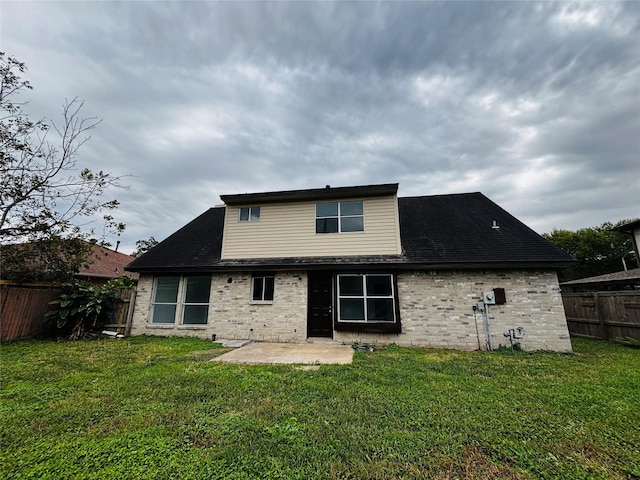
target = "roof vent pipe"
x: 495, y: 225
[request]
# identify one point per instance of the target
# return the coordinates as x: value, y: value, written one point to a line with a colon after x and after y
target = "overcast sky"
x: 537, y: 105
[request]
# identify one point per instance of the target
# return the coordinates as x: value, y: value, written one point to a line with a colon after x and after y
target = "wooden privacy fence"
x: 606, y: 315
x: 22, y: 308
x: 122, y: 313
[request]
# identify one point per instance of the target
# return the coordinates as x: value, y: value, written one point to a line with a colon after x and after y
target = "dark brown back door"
x: 320, y: 316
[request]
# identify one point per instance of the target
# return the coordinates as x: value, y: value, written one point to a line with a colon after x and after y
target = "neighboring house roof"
x: 441, y: 231
x: 624, y: 277
x: 628, y: 227
x: 106, y: 263
x: 102, y: 263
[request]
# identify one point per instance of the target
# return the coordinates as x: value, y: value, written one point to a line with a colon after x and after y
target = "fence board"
x: 22, y: 308
x: 121, y: 311
x: 606, y: 315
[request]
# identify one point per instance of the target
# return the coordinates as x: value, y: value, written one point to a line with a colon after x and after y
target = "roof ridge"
x: 444, y: 195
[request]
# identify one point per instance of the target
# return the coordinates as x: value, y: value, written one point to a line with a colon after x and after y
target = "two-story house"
x: 355, y: 264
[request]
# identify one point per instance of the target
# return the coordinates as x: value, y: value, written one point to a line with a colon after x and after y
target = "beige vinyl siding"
x: 289, y: 230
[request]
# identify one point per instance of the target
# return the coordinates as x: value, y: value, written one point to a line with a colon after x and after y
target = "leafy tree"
x: 50, y: 259
x: 143, y: 246
x: 598, y: 250
x: 43, y: 198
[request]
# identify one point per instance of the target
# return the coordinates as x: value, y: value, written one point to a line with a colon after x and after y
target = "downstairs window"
x: 262, y: 287
x: 195, y: 308
x: 165, y: 299
x: 367, y: 302
x: 194, y: 304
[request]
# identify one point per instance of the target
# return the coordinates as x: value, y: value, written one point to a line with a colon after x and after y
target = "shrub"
x: 83, y: 307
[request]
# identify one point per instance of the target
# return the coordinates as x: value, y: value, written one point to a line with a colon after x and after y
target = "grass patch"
x: 150, y: 407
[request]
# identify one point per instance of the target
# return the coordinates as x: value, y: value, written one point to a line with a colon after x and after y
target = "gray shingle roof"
x: 196, y: 246
x: 441, y: 231
x: 469, y: 229
x: 627, y: 276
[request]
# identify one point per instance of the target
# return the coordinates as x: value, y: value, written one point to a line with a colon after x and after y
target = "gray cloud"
x: 535, y: 104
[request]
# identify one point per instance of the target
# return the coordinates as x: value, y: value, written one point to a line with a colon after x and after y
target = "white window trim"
x: 249, y: 219
x: 340, y: 217
x: 364, y: 296
x: 262, y: 302
x: 180, y: 303
x: 154, y: 303
x: 183, y: 282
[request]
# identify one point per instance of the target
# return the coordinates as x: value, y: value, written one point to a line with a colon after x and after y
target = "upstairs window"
x: 339, y: 217
x: 262, y: 288
x: 249, y: 214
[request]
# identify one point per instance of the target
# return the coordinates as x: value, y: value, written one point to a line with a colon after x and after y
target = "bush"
x: 83, y: 307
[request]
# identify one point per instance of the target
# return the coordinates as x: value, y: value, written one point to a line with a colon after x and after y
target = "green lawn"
x: 156, y: 408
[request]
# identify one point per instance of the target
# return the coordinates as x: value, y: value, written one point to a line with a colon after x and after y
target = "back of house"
x: 355, y: 264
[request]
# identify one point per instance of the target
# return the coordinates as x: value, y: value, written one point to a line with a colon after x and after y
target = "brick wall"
x: 435, y: 309
x: 232, y: 315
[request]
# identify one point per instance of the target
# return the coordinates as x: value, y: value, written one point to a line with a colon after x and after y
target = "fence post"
x: 132, y: 306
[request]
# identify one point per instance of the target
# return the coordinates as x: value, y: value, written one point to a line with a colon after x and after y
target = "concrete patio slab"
x: 233, y: 343
x: 295, y: 353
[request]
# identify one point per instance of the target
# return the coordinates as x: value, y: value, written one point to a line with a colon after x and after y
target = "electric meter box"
x: 494, y: 297
x: 488, y: 297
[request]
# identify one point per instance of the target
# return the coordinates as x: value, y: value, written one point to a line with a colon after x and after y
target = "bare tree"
x: 46, y: 201
x: 41, y: 191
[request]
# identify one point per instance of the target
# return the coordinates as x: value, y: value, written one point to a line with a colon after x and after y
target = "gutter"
x: 221, y: 267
